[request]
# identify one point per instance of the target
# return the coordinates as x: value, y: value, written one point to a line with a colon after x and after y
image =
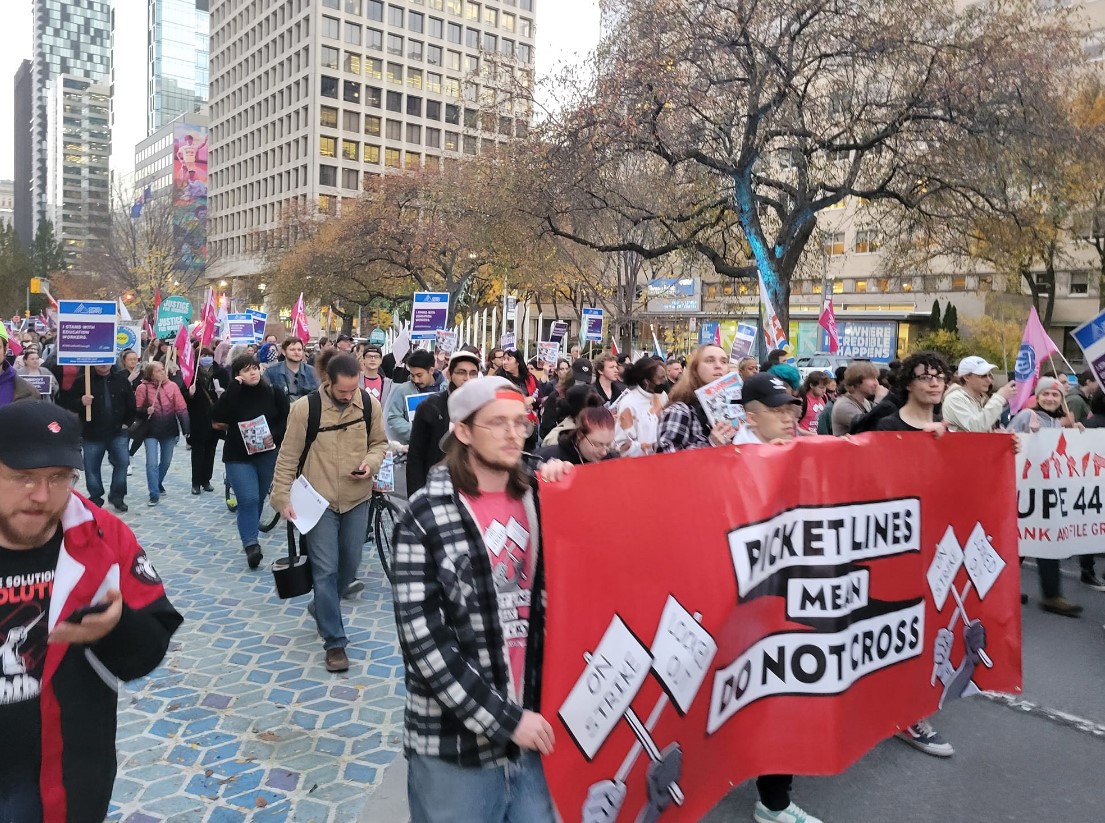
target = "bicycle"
x: 383, y: 514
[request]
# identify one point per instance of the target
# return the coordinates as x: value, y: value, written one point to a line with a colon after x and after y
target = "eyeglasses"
x: 602, y: 448
x: 502, y: 427
x: 930, y: 377
x: 54, y: 482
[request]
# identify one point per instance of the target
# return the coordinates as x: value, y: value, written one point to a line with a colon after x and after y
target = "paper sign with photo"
x: 721, y: 400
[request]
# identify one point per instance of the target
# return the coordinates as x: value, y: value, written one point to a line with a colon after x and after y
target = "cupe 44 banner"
x: 776, y: 614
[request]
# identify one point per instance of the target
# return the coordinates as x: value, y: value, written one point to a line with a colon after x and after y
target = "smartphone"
x: 83, y: 612
x: 359, y: 472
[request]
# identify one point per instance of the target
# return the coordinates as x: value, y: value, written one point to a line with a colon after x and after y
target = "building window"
x: 328, y: 116
x: 415, y: 21
x: 525, y: 53
x: 395, y: 45
x: 470, y: 144
x: 433, y: 110
x: 867, y: 242
x: 328, y: 86
x: 434, y: 55
x: 453, y: 7
x: 326, y: 204
x: 450, y: 87
x: 395, y: 17
x: 508, y: 48
x: 328, y: 57
x: 351, y: 121
x: 331, y: 4
x: 373, y: 96
x: 350, y: 179
x: 452, y: 60
x: 959, y: 282
x: 505, y: 124
x: 834, y: 244
x: 526, y: 27
x: 352, y: 63
x: 372, y: 154
x: 328, y: 146
x: 437, y: 28
x: 375, y: 10
x: 414, y: 49
x: 394, y: 130
x: 414, y: 78
x: 861, y: 286
x: 350, y: 149
x: 374, y: 39
x: 452, y: 114
x: 414, y: 105
x: 452, y: 141
x: 328, y: 175
x: 371, y: 126
x: 1079, y: 282
x: 433, y: 81
x: 456, y: 32
x: 471, y: 64
x: 331, y: 27
x: 352, y: 92
x: 433, y: 138
x: 353, y: 34
x: 490, y: 42
x: 391, y: 158
x: 414, y: 133
x: 508, y: 21
x: 374, y: 68
x: 395, y: 73
x: 395, y: 101
x: 353, y: 7
x: 471, y: 118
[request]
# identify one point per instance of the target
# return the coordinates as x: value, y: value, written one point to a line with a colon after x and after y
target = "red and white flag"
x: 774, y: 335
x: 299, y: 321
x: 185, y: 356
x: 1035, y: 347
x: 827, y: 321
x: 613, y: 346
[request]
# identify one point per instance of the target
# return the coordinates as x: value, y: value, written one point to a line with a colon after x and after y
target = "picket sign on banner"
x: 1059, y: 498
x: 815, y: 606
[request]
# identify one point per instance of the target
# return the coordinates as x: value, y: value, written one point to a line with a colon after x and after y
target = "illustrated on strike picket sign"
x: 797, y: 603
x: 1059, y: 506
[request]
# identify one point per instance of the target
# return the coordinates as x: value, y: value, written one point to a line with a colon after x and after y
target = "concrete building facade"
x: 307, y: 98
x: 23, y: 106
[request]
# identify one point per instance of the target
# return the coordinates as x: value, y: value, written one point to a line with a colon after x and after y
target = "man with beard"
x: 293, y: 376
x: 82, y: 607
x: 861, y: 386
x: 468, y: 568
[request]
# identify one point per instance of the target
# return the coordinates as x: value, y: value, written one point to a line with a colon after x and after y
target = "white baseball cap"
x: 473, y: 396
x: 975, y: 365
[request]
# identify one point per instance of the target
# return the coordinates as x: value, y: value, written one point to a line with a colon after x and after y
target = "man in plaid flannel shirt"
x: 469, y: 603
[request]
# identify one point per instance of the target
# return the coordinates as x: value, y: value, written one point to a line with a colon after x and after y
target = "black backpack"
x: 314, y: 423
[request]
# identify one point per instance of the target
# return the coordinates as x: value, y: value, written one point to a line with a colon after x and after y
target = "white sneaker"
x: 791, y: 814
x: 923, y: 737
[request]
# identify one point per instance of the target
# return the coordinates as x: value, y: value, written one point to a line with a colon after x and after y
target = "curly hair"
x: 928, y: 359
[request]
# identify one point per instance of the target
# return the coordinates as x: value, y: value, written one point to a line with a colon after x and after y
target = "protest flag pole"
x: 88, y: 388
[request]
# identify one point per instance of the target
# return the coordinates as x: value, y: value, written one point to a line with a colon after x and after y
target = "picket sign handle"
x: 88, y: 388
x: 963, y: 613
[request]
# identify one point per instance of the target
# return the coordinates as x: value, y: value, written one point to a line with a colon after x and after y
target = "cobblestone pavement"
x: 242, y: 721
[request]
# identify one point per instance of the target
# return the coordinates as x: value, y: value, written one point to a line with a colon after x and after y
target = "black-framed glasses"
x: 931, y: 377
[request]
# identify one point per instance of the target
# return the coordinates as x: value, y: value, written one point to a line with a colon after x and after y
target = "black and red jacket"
x: 78, y: 701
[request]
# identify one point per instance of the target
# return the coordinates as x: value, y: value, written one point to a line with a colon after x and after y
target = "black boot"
x: 253, y: 555
x: 195, y: 489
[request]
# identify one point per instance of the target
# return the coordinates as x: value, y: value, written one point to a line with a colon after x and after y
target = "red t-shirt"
x: 814, y: 407
x: 506, y: 534
x: 375, y: 387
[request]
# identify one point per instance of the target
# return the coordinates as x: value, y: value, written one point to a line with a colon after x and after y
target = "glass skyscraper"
x: 178, y: 53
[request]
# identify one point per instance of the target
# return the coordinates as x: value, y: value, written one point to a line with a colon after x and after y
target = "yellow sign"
x: 36, y: 285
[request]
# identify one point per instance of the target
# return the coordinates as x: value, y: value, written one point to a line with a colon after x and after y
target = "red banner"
x: 731, y: 612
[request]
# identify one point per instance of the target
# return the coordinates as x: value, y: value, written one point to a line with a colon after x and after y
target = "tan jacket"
x: 333, y: 456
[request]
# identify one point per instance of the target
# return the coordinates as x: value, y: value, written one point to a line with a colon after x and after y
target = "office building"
x: 23, y: 155
x: 7, y: 202
x: 153, y: 157
x: 71, y: 38
x: 307, y: 98
x: 178, y: 60
x: 78, y: 144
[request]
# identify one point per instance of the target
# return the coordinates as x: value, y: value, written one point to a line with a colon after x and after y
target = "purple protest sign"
x: 86, y: 333
x: 429, y: 314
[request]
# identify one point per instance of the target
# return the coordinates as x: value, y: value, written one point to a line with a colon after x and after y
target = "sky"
x: 566, y: 31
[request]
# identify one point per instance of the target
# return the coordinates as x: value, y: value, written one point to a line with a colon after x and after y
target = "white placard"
x: 946, y: 564
x: 307, y: 504
x: 682, y: 652
x: 984, y: 564
x: 604, y: 692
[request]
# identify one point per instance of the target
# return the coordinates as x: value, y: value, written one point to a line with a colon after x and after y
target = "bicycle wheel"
x: 385, y: 516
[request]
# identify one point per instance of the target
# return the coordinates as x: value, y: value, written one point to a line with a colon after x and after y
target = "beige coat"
x: 333, y: 456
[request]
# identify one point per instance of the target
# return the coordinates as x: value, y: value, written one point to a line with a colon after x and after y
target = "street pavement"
x: 243, y: 723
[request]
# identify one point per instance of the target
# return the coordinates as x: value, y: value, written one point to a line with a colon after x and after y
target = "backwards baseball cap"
x: 974, y: 365
x: 372, y: 347
x: 768, y: 389
x: 467, y: 356
x: 473, y: 396
x: 582, y: 370
x: 39, y: 435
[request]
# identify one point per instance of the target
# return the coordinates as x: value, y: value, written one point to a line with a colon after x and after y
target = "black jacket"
x: 101, y: 427
x: 201, y: 403
x: 565, y: 449
x: 241, y: 403
x: 430, y: 424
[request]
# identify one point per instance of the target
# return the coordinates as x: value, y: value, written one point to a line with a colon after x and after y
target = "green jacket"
x: 1078, y: 404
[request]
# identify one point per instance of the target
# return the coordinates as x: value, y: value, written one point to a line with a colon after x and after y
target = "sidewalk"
x: 242, y: 721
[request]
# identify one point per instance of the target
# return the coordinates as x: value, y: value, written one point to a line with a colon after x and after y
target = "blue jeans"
x: 441, y: 792
x: 251, y: 480
x: 159, y: 454
x: 117, y: 450
x: 335, y: 545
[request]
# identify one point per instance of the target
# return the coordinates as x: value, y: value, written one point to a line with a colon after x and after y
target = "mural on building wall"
x: 190, y: 196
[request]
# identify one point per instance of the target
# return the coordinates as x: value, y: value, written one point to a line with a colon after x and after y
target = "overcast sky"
x: 566, y: 29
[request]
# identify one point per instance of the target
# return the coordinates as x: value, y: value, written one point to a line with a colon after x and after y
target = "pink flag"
x: 1035, y: 347
x: 613, y: 346
x: 185, y: 357
x: 717, y: 335
x: 299, y: 321
x: 207, y: 318
x: 827, y: 321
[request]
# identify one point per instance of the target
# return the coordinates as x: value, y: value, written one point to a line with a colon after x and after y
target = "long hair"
x: 523, y: 371
x: 690, y: 382
x: 458, y: 461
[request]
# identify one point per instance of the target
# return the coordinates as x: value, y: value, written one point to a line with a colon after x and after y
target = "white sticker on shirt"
x: 495, y: 538
x: 517, y: 532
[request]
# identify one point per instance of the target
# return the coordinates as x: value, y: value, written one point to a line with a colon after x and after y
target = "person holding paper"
x: 255, y: 415
x: 340, y: 463
x: 468, y: 588
x: 684, y: 423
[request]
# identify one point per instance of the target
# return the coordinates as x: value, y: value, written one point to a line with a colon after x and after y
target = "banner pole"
x: 88, y: 388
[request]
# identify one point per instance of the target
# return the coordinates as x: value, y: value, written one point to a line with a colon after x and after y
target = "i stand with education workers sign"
x: 807, y: 605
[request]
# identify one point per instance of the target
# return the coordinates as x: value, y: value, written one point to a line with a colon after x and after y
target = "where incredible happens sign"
x: 788, y: 602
